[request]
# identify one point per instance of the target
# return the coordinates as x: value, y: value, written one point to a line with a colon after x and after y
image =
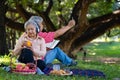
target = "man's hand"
x: 62, y: 30
x: 71, y: 23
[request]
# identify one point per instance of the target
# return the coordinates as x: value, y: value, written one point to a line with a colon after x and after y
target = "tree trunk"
x: 3, y: 46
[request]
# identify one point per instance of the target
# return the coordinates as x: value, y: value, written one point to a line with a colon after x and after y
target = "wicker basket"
x: 22, y: 71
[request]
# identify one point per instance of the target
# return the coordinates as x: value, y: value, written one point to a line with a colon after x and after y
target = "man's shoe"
x: 73, y: 63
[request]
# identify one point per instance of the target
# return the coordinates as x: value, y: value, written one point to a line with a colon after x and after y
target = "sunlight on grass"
x: 104, y: 48
x: 92, y: 53
x: 114, y: 47
x: 96, y: 44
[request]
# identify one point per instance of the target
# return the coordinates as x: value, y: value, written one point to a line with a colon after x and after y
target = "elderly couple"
x: 33, y: 33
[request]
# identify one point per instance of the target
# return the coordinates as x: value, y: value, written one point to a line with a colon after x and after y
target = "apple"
x: 19, y: 67
x: 26, y: 68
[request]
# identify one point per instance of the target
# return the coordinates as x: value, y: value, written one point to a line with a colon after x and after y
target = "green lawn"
x: 109, y: 49
x: 94, y: 50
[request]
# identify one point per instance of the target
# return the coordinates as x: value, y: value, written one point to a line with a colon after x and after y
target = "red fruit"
x: 26, y: 68
x: 31, y: 65
x: 19, y: 67
x: 30, y: 70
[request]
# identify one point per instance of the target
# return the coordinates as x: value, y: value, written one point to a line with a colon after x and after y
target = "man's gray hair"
x: 36, y: 19
x: 33, y: 23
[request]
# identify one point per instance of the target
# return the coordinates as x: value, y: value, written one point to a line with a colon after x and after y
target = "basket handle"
x: 11, y: 56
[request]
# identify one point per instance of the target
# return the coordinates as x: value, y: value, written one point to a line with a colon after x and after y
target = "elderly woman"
x: 31, y: 47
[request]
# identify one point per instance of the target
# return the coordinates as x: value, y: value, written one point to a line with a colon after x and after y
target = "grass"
x: 94, y: 50
x: 106, y: 49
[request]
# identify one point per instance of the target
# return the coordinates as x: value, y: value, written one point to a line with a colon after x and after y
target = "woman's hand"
x: 27, y: 44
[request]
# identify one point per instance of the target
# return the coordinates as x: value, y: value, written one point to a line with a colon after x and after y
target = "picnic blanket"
x: 86, y: 72
x: 80, y: 72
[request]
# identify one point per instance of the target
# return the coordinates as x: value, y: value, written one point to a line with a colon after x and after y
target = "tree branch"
x: 104, y: 18
x: 22, y: 12
x: 75, y: 10
x: 49, y: 7
x: 14, y: 25
x: 78, y: 6
x: 12, y: 10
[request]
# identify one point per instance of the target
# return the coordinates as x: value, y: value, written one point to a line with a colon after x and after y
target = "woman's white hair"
x: 33, y: 23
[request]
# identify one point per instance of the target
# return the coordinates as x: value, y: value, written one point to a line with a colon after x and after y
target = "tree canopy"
x: 93, y: 18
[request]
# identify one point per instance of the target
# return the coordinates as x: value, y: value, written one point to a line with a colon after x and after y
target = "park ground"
x: 102, y: 56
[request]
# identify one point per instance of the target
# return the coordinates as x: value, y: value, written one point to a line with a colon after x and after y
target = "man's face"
x: 41, y: 26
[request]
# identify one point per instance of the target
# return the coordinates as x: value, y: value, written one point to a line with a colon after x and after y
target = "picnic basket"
x: 31, y: 70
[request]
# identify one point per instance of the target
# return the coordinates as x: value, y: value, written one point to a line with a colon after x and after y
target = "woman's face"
x: 31, y: 30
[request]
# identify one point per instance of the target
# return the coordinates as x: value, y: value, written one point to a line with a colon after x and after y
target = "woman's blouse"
x: 38, y: 46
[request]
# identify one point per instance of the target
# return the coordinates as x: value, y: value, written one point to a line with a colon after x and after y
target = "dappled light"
x: 115, y: 12
x: 96, y: 44
x: 92, y: 54
x: 114, y: 48
x: 109, y: 50
x: 111, y: 60
x: 103, y: 60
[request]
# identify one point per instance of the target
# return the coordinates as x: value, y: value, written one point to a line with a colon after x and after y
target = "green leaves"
x: 99, y: 8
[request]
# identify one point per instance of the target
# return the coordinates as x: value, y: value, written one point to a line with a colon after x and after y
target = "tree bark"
x: 3, y: 46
